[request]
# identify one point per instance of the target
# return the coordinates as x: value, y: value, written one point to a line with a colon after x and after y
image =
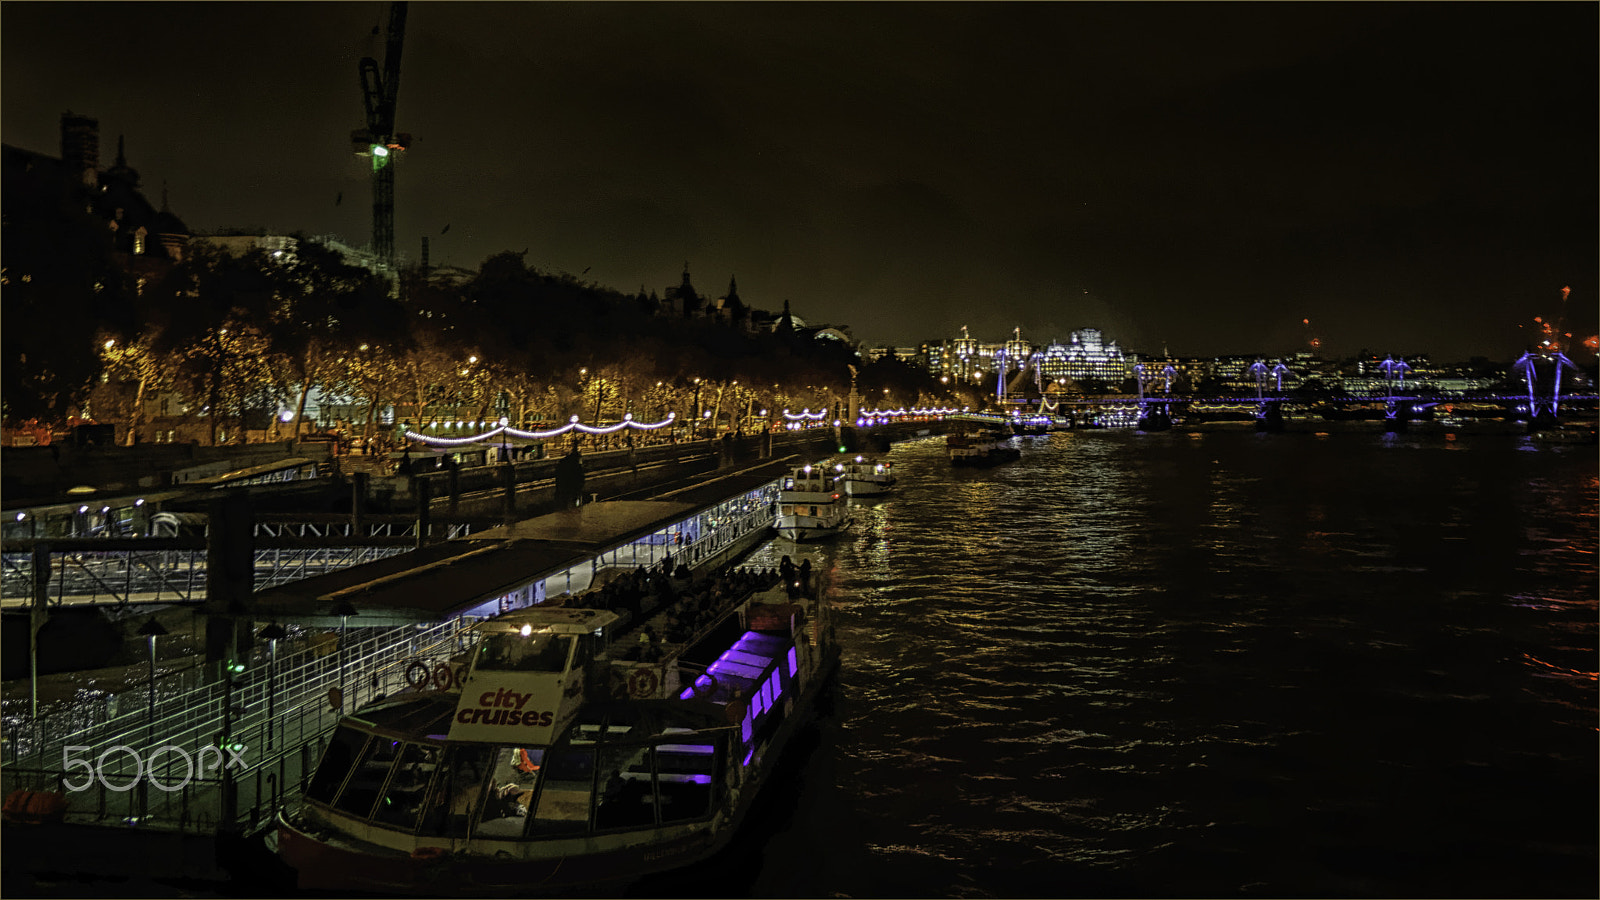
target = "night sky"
x: 1187, y: 176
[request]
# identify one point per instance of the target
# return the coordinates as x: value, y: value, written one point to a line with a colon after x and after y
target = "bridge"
x: 1540, y: 403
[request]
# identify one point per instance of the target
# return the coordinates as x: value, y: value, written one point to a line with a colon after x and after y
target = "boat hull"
x: 802, y: 533
x: 992, y: 458
x: 322, y: 865
x: 865, y: 488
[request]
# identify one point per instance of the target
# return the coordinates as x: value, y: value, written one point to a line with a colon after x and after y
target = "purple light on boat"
x: 749, y: 756
x: 699, y: 779
x: 687, y: 748
x: 794, y: 664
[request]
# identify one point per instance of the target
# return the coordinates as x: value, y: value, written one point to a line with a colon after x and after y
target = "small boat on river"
x: 981, y: 448
x: 864, y: 477
x: 811, y: 505
x: 558, y: 764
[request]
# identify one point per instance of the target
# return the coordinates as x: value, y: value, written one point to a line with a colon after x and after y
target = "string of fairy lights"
x: 803, y: 419
x: 572, y: 425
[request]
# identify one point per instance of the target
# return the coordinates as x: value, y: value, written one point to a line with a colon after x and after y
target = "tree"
x: 62, y: 288
x: 325, y: 314
x: 209, y: 316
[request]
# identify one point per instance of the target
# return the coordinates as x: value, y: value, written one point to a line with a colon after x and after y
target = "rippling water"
x: 1206, y: 664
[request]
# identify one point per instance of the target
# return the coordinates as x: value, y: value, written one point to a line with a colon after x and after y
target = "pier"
x: 184, y: 766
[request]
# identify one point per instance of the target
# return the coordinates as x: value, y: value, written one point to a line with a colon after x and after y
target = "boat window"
x: 685, y: 771
x: 336, y: 762
x: 627, y: 797
x: 595, y: 724
x: 505, y: 804
x: 401, y: 806
x: 511, y: 652
x: 567, y: 782
x: 457, y: 788
x: 368, y: 776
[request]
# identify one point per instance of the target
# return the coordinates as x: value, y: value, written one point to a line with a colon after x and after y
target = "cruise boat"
x: 1031, y: 426
x: 981, y: 448
x: 811, y: 505
x: 863, y: 477
x: 559, y: 765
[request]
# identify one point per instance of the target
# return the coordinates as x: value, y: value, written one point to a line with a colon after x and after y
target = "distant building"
x: 1053, y: 361
x: 912, y: 356
x: 683, y: 300
x: 238, y: 243
x: 1089, y: 356
x: 146, y: 241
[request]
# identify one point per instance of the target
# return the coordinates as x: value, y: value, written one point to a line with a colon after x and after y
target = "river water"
x: 1214, y: 664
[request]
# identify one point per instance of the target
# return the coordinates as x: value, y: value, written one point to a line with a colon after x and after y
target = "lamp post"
x: 273, y: 633
x: 152, y: 629
x: 344, y: 611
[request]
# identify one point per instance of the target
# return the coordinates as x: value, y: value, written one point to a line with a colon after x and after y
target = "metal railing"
x: 223, y: 755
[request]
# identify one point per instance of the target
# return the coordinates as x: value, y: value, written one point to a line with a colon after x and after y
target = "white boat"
x: 554, y: 765
x: 863, y: 477
x: 811, y: 505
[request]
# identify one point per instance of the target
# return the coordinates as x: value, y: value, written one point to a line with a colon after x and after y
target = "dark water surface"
x: 1206, y: 664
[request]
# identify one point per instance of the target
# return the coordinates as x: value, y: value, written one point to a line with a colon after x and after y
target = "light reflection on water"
x: 1200, y: 664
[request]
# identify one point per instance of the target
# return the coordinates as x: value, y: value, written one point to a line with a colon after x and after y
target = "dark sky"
x: 1412, y: 178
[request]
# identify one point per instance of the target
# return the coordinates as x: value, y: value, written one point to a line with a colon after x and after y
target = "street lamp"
x: 272, y: 633
x: 344, y: 611
x: 152, y: 629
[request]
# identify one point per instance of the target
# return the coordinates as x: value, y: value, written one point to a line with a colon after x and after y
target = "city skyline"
x: 1200, y: 178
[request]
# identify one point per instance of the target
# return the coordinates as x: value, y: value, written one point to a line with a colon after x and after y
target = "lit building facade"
x: 1089, y: 356
x: 967, y: 363
x: 1054, y: 362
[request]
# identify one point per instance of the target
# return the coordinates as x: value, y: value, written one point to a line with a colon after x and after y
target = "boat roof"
x: 556, y: 620
x: 409, y: 715
x: 593, y: 527
x: 427, y: 584
x: 441, y: 580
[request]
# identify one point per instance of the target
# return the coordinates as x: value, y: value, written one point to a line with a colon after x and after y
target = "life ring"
x: 417, y: 674
x: 642, y: 684
x: 428, y: 852
x: 443, y: 678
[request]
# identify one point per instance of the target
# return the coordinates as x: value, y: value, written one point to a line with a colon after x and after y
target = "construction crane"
x: 379, y: 140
